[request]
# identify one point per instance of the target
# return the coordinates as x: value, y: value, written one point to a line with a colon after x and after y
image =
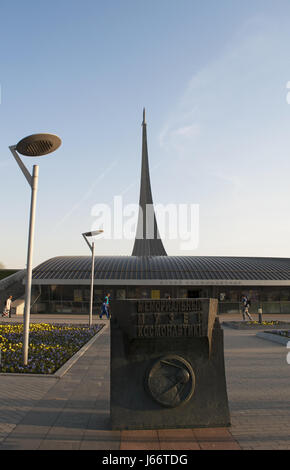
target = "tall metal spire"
x: 147, y: 241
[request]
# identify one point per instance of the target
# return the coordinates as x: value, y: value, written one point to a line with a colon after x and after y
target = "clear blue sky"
x: 212, y: 76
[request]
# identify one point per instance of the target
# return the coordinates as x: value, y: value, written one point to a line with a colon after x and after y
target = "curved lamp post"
x: 92, y: 248
x: 32, y: 146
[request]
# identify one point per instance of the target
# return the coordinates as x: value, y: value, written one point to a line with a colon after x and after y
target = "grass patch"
x: 50, y: 346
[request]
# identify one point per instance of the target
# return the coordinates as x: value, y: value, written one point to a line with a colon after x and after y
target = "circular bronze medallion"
x: 171, y: 381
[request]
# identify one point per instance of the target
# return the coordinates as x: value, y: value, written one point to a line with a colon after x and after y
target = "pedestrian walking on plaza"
x: 245, y: 308
x: 104, y: 310
x: 7, y: 307
x: 107, y: 302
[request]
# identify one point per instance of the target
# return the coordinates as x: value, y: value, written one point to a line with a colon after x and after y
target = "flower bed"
x: 50, y: 346
x: 255, y: 325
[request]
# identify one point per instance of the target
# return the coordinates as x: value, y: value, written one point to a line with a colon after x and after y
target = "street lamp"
x: 92, y: 248
x: 32, y: 146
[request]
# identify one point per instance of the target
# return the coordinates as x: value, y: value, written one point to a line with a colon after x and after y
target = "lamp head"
x: 93, y: 234
x: 37, y: 145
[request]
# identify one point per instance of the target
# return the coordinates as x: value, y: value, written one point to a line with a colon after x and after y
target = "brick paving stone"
x: 139, y: 440
x: 219, y: 445
x: 177, y: 439
x: 50, y: 444
x: 101, y: 440
x: 212, y: 433
x: 19, y: 395
x: 215, y: 439
x: 258, y: 389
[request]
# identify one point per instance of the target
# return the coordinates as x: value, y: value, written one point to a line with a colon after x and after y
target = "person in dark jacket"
x: 246, y: 303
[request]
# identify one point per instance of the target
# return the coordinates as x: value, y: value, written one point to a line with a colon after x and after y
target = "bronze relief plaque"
x: 171, y: 381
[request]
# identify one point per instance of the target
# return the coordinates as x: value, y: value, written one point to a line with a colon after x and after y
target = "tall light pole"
x: 32, y: 146
x: 92, y: 248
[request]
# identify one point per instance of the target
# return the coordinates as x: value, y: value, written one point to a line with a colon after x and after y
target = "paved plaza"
x: 70, y: 411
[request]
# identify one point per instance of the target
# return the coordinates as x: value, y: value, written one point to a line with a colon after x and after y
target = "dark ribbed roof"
x: 164, y: 268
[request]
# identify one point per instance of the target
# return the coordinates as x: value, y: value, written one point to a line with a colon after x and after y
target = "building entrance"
x: 193, y: 294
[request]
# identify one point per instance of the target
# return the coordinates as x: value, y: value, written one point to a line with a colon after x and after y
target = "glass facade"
x: 270, y: 299
x: 75, y: 299
x: 256, y: 294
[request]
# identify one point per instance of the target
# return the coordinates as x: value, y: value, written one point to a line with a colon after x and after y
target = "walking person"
x: 104, y: 310
x: 246, y: 303
x: 7, y: 307
x: 107, y: 302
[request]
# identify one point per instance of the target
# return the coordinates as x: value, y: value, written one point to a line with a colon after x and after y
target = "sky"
x: 213, y: 77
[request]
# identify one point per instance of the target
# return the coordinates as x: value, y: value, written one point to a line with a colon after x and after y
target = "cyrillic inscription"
x: 154, y: 331
x: 172, y: 324
x: 162, y: 306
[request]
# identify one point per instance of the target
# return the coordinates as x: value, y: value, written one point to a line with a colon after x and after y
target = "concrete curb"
x: 65, y: 368
x: 274, y: 338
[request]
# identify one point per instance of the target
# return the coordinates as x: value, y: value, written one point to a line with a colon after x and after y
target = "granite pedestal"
x: 167, y: 365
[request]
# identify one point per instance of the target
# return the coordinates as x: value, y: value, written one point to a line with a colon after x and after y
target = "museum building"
x: 62, y: 284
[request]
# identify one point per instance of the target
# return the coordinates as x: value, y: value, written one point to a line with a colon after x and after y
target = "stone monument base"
x: 167, y: 375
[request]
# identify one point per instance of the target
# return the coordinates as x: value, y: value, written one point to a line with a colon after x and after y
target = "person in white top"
x: 7, y: 307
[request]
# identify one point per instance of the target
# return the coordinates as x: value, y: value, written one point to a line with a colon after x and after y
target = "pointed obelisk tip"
x: 144, y: 121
